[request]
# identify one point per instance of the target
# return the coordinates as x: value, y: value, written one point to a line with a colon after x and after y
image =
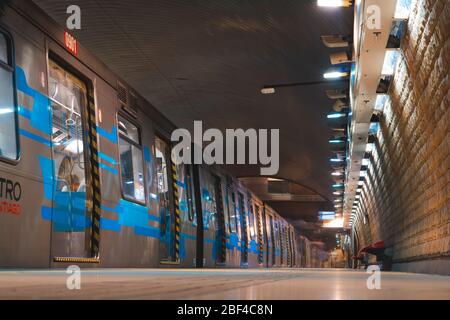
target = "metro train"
x: 86, y: 175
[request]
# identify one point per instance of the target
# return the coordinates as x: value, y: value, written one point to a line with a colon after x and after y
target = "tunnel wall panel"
x: 404, y: 200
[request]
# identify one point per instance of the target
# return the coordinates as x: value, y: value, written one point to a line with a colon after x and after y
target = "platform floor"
x: 220, y: 284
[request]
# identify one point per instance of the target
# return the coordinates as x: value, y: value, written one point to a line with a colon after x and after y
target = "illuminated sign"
x: 70, y: 43
x: 326, y: 215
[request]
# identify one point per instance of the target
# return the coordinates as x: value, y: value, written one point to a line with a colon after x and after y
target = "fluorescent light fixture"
x: 403, y: 9
x: 390, y: 62
x: 334, y: 141
x: 336, y: 160
x: 337, y: 200
x: 335, y: 75
x: 337, y: 173
x: 335, y: 115
x: 333, y: 3
x: 337, y: 193
x: 267, y: 90
x: 337, y: 185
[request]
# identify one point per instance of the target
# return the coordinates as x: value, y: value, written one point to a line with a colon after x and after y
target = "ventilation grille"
x: 128, y: 101
x: 122, y: 94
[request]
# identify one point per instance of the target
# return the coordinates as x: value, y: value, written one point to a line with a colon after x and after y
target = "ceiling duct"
x: 338, y: 135
x: 336, y: 94
x: 340, y: 57
x: 339, y: 105
x: 336, y: 41
x: 338, y: 166
x: 338, y: 147
x: 339, y: 154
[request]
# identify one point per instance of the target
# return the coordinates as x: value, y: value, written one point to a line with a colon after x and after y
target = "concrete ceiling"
x: 207, y: 60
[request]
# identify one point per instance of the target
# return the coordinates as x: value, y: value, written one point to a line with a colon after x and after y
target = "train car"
x: 257, y: 233
x: 86, y: 174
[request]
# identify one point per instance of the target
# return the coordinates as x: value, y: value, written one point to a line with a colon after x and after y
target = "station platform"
x: 329, y: 284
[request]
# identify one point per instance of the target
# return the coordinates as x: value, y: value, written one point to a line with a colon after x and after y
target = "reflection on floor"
x: 220, y: 284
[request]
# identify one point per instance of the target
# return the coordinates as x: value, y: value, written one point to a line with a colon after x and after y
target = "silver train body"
x: 86, y: 175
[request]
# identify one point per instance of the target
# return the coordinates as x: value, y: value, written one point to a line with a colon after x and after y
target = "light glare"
x: 335, y: 75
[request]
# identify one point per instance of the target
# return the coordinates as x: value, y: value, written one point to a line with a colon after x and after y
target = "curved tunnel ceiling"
x: 207, y: 60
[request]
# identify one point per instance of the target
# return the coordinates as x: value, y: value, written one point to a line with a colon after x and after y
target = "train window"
x: 8, y: 125
x: 162, y: 170
x: 68, y: 97
x: 166, y: 212
x: 131, y: 160
x: 4, y: 49
x: 190, y: 203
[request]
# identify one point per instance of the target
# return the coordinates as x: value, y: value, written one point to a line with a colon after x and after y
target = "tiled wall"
x: 406, y: 194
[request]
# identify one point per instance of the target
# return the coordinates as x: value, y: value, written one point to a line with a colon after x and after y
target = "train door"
x: 279, y: 244
x: 244, y: 234
x: 72, y: 209
x: 199, y: 216
x: 272, y: 241
x: 220, y: 228
x: 234, y: 255
x: 259, y: 233
x: 295, y: 248
x: 165, y: 196
x: 266, y: 236
x: 288, y: 246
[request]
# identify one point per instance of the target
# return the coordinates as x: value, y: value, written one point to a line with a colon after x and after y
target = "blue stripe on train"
x: 112, y: 137
x: 108, y: 168
x: 35, y: 137
x: 107, y: 158
x: 40, y: 116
